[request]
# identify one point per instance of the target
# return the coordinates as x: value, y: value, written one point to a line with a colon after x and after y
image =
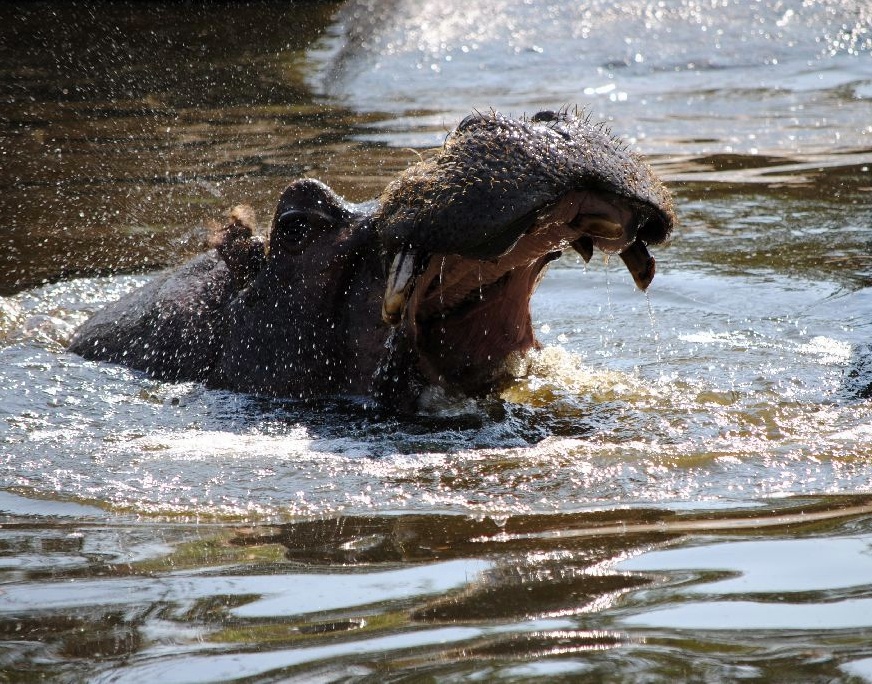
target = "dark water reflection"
x: 679, y: 489
x: 446, y: 596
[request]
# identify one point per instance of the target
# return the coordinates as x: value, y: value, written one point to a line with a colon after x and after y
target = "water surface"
x: 678, y: 488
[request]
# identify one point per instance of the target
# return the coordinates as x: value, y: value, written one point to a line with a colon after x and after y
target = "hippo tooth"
x: 584, y: 246
x: 400, y: 279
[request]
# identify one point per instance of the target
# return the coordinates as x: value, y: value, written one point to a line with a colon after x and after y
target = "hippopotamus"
x: 426, y: 287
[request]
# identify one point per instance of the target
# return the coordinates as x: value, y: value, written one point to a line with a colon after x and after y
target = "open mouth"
x: 467, y: 315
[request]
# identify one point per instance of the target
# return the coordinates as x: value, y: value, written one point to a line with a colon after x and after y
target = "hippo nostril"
x: 469, y: 120
x: 546, y: 115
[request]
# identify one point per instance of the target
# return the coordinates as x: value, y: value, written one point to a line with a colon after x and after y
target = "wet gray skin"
x: 427, y: 286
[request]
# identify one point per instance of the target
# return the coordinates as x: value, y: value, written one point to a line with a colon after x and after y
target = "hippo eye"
x: 290, y: 230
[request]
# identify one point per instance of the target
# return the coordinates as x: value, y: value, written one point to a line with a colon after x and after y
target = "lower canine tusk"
x: 400, y: 277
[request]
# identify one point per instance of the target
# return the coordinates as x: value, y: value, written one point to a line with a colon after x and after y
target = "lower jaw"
x: 472, y: 346
x: 468, y: 359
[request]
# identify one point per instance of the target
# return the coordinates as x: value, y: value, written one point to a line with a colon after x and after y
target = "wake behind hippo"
x: 429, y: 285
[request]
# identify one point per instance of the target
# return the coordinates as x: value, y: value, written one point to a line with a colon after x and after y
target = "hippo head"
x: 467, y: 236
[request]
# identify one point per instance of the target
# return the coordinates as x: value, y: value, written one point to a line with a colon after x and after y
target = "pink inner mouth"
x: 467, y: 316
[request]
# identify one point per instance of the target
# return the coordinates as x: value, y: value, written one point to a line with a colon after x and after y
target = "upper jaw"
x: 494, y: 176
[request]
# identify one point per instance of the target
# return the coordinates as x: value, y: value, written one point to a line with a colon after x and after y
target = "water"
x: 679, y: 489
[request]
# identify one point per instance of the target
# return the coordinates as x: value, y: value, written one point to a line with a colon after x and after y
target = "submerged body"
x: 429, y: 285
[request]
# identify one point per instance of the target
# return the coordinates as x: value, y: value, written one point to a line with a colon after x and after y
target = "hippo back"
x: 171, y: 328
